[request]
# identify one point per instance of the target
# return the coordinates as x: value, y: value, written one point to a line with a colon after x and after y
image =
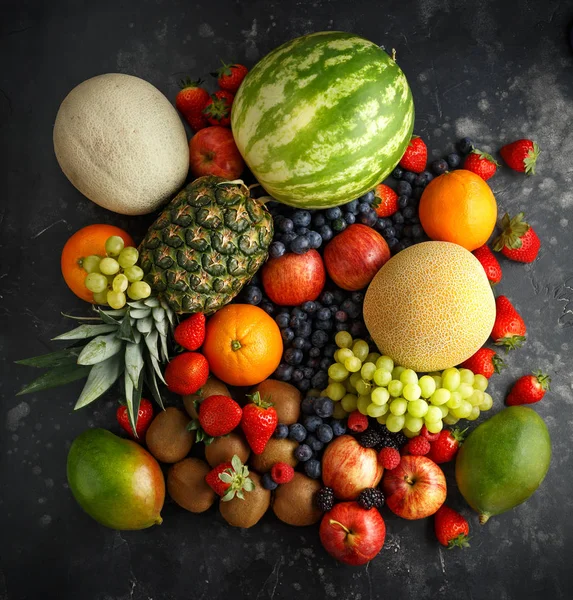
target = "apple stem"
x: 409, y: 480
x: 333, y: 522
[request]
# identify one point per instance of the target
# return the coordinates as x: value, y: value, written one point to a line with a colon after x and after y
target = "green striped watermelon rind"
x: 289, y: 122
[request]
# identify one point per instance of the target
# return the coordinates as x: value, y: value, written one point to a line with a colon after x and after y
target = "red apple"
x: 352, y: 534
x: 212, y: 151
x: 348, y: 468
x: 416, y: 488
x: 354, y: 256
x: 294, y: 278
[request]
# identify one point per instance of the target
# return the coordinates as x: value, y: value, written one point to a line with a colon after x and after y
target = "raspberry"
x: 389, y: 458
x: 431, y: 437
x: 357, y: 421
x: 282, y: 473
x: 324, y: 499
x: 417, y: 446
x: 370, y: 498
x: 369, y: 438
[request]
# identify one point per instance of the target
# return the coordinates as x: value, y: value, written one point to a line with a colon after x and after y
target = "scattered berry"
x: 230, y: 77
x: 370, y: 498
x: 489, y: 263
x: 528, y: 389
x: 439, y: 167
x: 357, y: 421
x: 465, y: 146
x: 324, y: 499
x: 417, y: 446
x: 386, y: 203
x: 521, y: 156
x: 518, y: 241
x: 445, y: 448
x: 454, y: 160
x: 324, y: 407
x: 268, y: 482
x: 451, y: 528
x: 297, y: 432
x: 281, y: 432
x: 481, y: 164
x: 312, y: 468
x: 389, y: 458
x: 190, y: 333
x: 282, y: 473
x: 509, y: 328
x: 324, y: 433
x: 303, y: 452
x: 144, y: 418
x: 415, y: 156
x: 485, y: 361
x: 338, y: 428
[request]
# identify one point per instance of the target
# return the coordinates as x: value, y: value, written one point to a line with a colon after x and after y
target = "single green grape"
x: 395, y: 388
x: 335, y: 356
x: 434, y: 414
x: 411, y: 391
x: 394, y: 423
x: 445, y: 410
x: 451, y: 379
x: 476, y: 398
x: 418, y: 408
x: 463, y: 410
x: 339, y: 412
x: 336, y: 391
x: 343, y: 354
x: 382, y: 419
x: 347, y: 385
x: 466, y: 376
x: 427, y: 386
x: 363, y: 387
x: 367, y: 371
x: 440, y: 396
x: 375, y: 411
x: 100, y: 297
x: 385, y: 362
x: 120, y: 283
x: 90, y: 264
x: 349, y: 402
x: 398, y: 406
x: 108, y: 266
x: 128, y: 257
x: 363, y: 404
x: 361, y: 349
x: 474, y: 414
x: 412, y: 423
x: 480, y: 382
x: 95, y: 282
x: 410, y: 434
x: 116, y: 299
x: 380, y: 396
x: 382, y: 377
x: 455, y: 400
x: 435, y: 426
x: 408, y: 376
x: 133, y: 274
x: 487, y: 402
x: 140, y: 289
x: 450, y: 419
x: 437, y: 380
x: 114, y: 245
x: 373, y: 357
x: 353, y: 364
x: 343, y: 339
x: 465, y: 390
x: 337, y: 371
x: 355, y: 378
x: 397, y: 371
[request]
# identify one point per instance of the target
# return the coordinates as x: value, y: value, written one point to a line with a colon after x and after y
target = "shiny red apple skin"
x: 212, y: 151
x: 348, y: 468
x: 352, y: 534
x: 354, y: 256
x: 293, y: 279
x: 415, y: 489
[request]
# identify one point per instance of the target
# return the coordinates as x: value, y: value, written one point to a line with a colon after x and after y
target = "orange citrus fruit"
x: 458, y: 207
x: 243, y: 344
x: 87, y: 241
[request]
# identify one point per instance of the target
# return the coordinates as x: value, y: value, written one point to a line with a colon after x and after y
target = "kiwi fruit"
x: 294, y: 501
x: 167, y: 437
x: 275, y: 451
x: 285, y: 397
x: 222, y: 449
x: 248, y: 512
x: 186, y: 485
x: 212, y: 387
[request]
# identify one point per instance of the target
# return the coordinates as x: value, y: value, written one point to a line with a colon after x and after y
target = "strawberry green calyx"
x: 238, y: 479
x: 530, y: 160
x: 224, y: 71
x: 459, y: 434
x: 218, y: 109
x: 511, y: 342
x: 460, y: 541
x: 543, y: 379
x: 513, y: 230
x: 486, y: 156
x: 498, y: 363
x: 195, y: 425
x: 258, y: 401
x: 190, y: 83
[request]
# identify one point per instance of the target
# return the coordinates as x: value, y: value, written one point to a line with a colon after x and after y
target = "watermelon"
x: 323, y: 119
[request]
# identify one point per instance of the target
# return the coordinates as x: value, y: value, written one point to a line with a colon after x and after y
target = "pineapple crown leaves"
x: 258, y: 401
x: 531, y: 158
x: 513, y: 230
x: 543, y: 379
x: 187, y: 82
x: 485, y: 156
x: 237, y: 476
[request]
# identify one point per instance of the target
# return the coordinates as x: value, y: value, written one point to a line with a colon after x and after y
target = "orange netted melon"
x: 430, y: 307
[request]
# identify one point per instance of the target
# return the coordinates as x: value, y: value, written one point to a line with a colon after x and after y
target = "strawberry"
x: 489, y: 263
x: 186, y: 373
x: 218, y: 415
x: 230, y: 479
x: 521, y: 156
x: 386, y: 202
x: 258, y: 423
x: 282, y: 473
x: 144, y: 418
x: 218, y: 109
x: 518, y: 241
x: 190, y: 334
x: 357, y: 422
x: 509, y: 328
x: 431, y: 437
x: 528, y: 389
x: 191, y: 101
x: 230, y: 77
x: 446, y: 446
x: 417, y: 446
x: 485, y: 361
x: 481, y: 164
x: 416, y: 155
x: 389, y: 458
x: 451, y: 528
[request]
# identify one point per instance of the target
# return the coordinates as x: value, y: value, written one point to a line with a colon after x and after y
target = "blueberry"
x: 338, y: 296
x: 315, y: 444
x: 301, y: 218
x: 301, y: 230
x: 341, y: 327
x: 319, y: 338
x: 389, y: 233
x: 406, y: 232
x: 304, y: 329
x: 408, y: 212
x: 285, y: 225
x: 380, y: 224
x: 324, y: 407
x: 368, y: 219
x: 304, y: 385
x: 417, y: 232
x: 312, y: 423
x: 329, y: 350
x: 351, y: 207
x: 324, y: 433
x: 333, y: 213
x: 325, y: 233
x: 404, y: 188
x: 368, y: 197
x: 307, y: 405
x: 287, y: 335
x: 288, y: 238
x: 268, y: 482
x: 409, y: 177
x: 415, y: 219
x: 298, y: 343
x: 351, y: 308
x: 417, y: 192
x: 314, y: 239
x: 414, y: 202
x: 357, y: 329
x: 357, y: 297
x: 282, y: 319
x: 398, y: 217
x: 439, y: 166
x: 297, y: 432
x: 308, y: 307
x: 297, y: 375
x: 303, y: 453
x: 403, y: 201
x: 364, y: 207
x: 320, y: 379
x: 318, y: 220
x: 281, y: 432
x: 309, y: 371
x: 399, y: 227
x: 339, y: 225
x: 338, y: 427
x: 284, y: 372
x: 314, y: 352
x: 325, y: 325
x: 333, y: 309
x: 300, y: 245
x: 293, y: 356
x: 325, y: 363
x: 465, y: 146
x: 252, y: 295
x: 326, y: 298
x: 268, y: 307
x: 341, y: 316
x: 454, y: 160
x: 397, y: 173
x: 323, y: 314
x: 276, y: 249
x: 312, y: 364
x: 312, y: 468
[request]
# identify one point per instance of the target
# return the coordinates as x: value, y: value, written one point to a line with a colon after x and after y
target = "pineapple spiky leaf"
x: 100, y: 349
x: 60, y: 358
x: 101, y: 377
x: 84, y: 332
x: 55, y: 377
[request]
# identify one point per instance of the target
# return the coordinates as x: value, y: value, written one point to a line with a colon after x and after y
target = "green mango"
x: 503, y: 461
x: 116, y: 481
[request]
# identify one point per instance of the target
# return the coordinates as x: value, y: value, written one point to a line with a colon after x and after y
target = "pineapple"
x: 206, y: 244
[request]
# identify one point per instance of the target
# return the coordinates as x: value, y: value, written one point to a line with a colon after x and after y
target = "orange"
x: 458, y: 207
x: 85, y: 242
x: 243, y: 344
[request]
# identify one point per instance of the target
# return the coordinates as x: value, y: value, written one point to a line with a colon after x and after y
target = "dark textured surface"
x: 491, y: 70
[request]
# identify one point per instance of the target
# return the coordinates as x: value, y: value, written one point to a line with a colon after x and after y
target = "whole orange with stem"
x: 86, y: 242
x: 458, y: 207
x: 243, y: 344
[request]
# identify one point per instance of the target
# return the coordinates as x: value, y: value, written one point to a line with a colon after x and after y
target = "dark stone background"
x: 492, y: 70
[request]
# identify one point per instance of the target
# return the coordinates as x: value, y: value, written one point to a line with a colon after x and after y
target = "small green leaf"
x: 133, y: 361
x: 55, y: 377
x: 133, y: 406
x: 151, y: 302
x: 151, y: 343
x: 100, y: 349
x: 126, y: 331
x: 101, y: 377
x: 144, y: 325
x: 140, y: 313
x: 158, y: 315
x: 138, y: 304
x: 106, y: 317
x: 192, y: 425
x: 226, y: 477
x: 84, y: 332
x: 240, y: 495
x: 229, y: 495
x: 248, y: 485
x: 61, y: 358
x: 237, y: 464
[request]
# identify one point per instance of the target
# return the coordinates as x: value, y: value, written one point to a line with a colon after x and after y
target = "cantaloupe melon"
x: 430, y: 307
x: 121, y: 143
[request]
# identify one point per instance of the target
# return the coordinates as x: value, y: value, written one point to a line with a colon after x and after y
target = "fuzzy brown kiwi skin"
x: 275, y: 451
x: 248, y: 512
x: 222, y: 449
x: 187, y: 487
x: 211, y: 388
x: 293, y: 502
x: 167, y: 437
x: 285, y: 397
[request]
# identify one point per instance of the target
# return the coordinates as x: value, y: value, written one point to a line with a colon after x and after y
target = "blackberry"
x: 369, y: 438
x: 387, y: 439
x: 371, y: 498
x: 400, y: 439
x: 324, y: 499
